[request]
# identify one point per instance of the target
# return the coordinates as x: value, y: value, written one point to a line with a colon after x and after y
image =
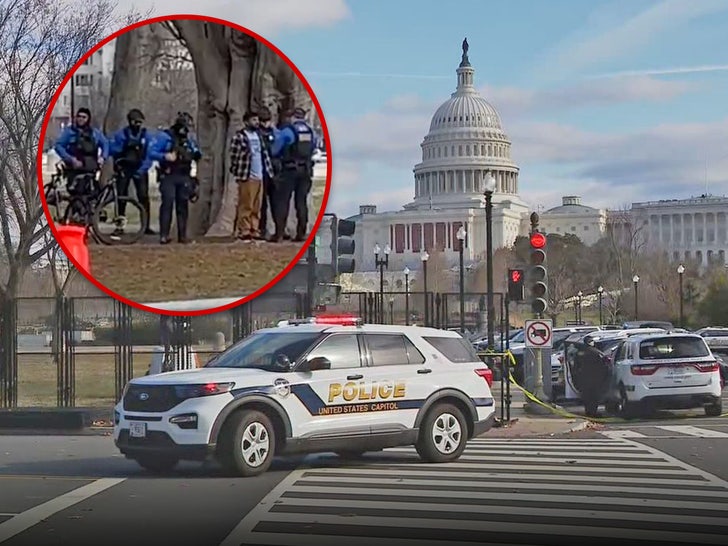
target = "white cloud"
x: 665, y: 71
x: 625, y: 37
x: 392, y: 134
x: 265, y: 17
x: 556, y: 159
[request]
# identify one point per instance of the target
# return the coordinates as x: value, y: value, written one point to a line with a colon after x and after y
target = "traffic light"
x: 342, y: 245
x: 515, y: 284
x: 538, y: 277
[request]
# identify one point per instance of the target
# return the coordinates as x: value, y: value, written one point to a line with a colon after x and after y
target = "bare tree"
x: 627, y: 240
x: 439, y: 276
x: 40, y: 40
x: 503, y: 258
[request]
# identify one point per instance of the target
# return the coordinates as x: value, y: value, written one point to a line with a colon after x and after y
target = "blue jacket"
x: 119, y: 141
x: 163, y: 142
x: 286, y: 136
x: 64, y: 144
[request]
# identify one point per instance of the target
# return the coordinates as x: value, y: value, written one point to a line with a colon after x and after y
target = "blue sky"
x: 574, y: 81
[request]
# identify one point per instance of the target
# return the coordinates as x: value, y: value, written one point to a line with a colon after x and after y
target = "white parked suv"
x: 328, y: 384
x: 668, y: 371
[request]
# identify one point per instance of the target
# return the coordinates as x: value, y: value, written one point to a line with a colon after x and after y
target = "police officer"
x: 269, y: 179
x: 294, y: 145
x: 175, y: 150
x: 130, y: 149
x: 591, y: 374
x: 83, y: 149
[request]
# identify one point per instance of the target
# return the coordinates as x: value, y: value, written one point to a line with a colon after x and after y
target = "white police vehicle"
x: 326, y: 384
x: 668, y: 371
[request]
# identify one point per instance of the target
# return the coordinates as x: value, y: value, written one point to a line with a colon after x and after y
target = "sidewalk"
x: 523, y: 424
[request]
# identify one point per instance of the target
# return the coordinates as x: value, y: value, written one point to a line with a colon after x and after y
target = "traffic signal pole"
x: 538, y: 283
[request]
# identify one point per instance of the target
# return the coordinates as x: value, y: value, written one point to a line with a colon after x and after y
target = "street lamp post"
x: 424, y: 257
x: 579, y: 295
x: 600, y: 291
x: 406, y: 295
x: 381, y: 264
x: 461, y: 234
x: 489, y: 189
x: 680, y: 272
x: 635, y: 281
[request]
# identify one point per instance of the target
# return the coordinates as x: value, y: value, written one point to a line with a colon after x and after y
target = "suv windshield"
x: 673, y: 347
x: 266, y: 350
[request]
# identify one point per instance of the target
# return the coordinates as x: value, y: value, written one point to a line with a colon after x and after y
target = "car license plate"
x: 677, y: 372
x: 138, y: 430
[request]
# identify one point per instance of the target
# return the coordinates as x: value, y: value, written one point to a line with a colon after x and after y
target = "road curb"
x: 52, y: 419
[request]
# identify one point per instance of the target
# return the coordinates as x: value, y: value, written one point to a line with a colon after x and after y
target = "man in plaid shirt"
x: 249, y: 164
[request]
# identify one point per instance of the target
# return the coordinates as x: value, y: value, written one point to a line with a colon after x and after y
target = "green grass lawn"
x: 95, y: 378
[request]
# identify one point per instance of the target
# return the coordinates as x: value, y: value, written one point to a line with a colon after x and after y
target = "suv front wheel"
x: 248, y: 443
x: 443, y: 434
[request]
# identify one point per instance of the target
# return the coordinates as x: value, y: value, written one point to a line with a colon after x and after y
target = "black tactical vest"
x: 86, y: 149
x: 134, y: 149
x: 180, y: 146
x: 299, y: 153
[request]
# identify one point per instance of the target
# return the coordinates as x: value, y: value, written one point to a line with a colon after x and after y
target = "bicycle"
x: 87, y: 204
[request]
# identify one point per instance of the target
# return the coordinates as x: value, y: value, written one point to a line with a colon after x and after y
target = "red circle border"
x: 304, y: 247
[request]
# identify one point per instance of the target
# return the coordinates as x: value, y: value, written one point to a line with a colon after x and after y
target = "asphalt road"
x: 585, y: 487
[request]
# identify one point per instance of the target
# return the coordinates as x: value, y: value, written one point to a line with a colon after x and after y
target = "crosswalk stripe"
x: 373, y: 484
x: 622, y: 434
x: 699, y: 489
x: 277, y: 520
x: 499, y: 490
x: 495, y: 508
x: 694, y: 431
x: 567, y: 479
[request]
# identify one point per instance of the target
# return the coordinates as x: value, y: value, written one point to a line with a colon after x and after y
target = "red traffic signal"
x: 515, y: 284
x: 538, y: 240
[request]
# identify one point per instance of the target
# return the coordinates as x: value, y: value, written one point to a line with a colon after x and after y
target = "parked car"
x: 715, y: 337
x: 665, y: 371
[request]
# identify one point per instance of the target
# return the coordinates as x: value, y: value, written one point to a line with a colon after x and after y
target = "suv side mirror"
x: 316, y: 363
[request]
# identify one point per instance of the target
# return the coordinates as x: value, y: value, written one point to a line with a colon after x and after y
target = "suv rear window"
x: 673, y: 347
x: 455, y: 349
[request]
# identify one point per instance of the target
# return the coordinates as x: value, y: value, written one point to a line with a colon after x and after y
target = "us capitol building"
x: 466, y: 143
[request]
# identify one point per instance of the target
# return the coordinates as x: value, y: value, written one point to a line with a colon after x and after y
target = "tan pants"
x: 250, y: 201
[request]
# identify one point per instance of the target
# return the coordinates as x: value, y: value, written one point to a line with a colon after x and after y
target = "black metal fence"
x: 439, y: 310
x: 81, y: 352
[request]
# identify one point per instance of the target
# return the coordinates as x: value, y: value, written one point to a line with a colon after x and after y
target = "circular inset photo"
x: 183, y: 165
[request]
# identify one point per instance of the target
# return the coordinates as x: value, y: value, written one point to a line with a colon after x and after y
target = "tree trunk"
x: 223, y: 60
x: 234, y: 73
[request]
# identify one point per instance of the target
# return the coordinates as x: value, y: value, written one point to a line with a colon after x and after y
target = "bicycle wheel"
x: 77, y: 212
x: 53, y: 201
x: 113, y: 228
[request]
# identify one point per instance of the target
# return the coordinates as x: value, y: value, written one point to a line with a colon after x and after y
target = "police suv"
x: 668, y: 371
x: 316, y: 385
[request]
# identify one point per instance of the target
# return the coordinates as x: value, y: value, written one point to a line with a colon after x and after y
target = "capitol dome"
x: 466, y: 143
x: 465, y: 110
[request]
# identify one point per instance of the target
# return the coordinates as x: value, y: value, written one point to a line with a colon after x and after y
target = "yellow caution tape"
x: 557, y: 410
